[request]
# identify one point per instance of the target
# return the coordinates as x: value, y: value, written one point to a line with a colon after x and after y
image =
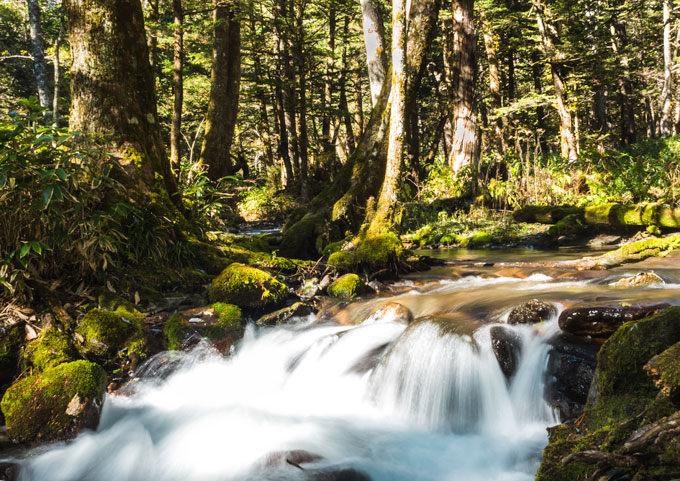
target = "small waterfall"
x: 396, y: 403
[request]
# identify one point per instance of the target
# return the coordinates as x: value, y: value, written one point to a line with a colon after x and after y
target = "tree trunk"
x: 302, y: 75
x: 261, y: 94
x: 57, y: 72
x: 494, y: 84
x: 464, y: 71
x: 547, y: 31
x: 327, y: 98
x: 620, y: 47
x: 38, y: 53
x: 225, y: 80
x: 343, y: 105
x: 178, y: 86
x: 374, y: 38
x: 154, y: 17
x: 358, y: 101
x: 112, y: 91
x: 666, y: 94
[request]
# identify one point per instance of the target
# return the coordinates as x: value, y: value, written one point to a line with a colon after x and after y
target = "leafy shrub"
x: 265, y: 202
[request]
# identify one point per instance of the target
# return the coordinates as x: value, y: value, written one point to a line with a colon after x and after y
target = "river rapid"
x: 308, y: 399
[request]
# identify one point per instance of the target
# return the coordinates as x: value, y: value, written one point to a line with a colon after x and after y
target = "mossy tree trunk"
x: 178, y: 86
x: 224, y: 91
x: 374, y: 38
x: 112, y: 91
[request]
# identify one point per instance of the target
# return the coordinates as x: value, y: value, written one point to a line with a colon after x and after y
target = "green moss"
x: 637, y: 251
x: 480, y: 239
x: 571, y: 224
x: 379, y: 251
x: 622, y: 388
x: 35, y: 407
x: 665, y: 369
x: 247, y: 287
x: 228, y: 322
x: 105, y: 332
x: 229, y: 315
x: 333, y: 247
x: 565, y: 440
x: 346, y: 287
x: 175, y: 331
x: 299, y: 240
x: 50, y: 349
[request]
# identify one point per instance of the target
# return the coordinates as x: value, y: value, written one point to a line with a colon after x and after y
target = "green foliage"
x: 265, y: 202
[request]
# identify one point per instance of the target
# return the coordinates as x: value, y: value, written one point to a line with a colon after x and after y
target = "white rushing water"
x: 395, y: 405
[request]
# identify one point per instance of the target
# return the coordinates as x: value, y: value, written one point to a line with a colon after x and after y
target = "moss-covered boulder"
x: 371, y: 252
x: 298, y: 309
x: 621, y: 388
x: 665, y: 370
x: 247, y: 287
x: 55, y: 404
x: 105, y: 333
x: 11, y: 338
x: 49, y: 350
x: 221, y: 323
x: 348, y: 286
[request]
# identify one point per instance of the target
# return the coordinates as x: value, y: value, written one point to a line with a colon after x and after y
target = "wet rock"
x: 665, y: 370
x: 295, y: 457
x: 299, y: 309
x: 642, y: 279
x: 603, y: 240
x: 392, y: 312
x: 600, y: 322
x: 9, y: 471
x: 571, y: 366
x: 338, y: 475
x: 370, y: 360
x: 377, y: 286
x: 507, y: 347
x: 55, y: 404
x: 11, y: 339
x: 220, y: 323
x: 531, y: 312
x: 348, y: 286
x: 247, y: 287
x: 309, y: 289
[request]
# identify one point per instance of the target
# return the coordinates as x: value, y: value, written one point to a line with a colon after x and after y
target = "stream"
x: 311, y: 398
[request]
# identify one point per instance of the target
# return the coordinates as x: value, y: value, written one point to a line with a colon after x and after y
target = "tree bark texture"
x: 547, y: 32
x: 57, y: 72
x: 112, y: 88
x: 626, y: 105
x: 38, y: 53
x: 302, y: 101
x: 327, y: 98
x: 494, y: 83
x: 666, y: 93
x: 463, y: 80
x: 178, y: 86
x: 225, y: 81
x: 374, y: 39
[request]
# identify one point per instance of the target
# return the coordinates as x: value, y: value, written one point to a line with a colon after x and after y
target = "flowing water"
x: 393, y: 402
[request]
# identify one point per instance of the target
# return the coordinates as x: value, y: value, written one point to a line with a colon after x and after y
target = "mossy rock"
x: 572, y: 224
x: 374, y: 252
x: 11, y: 339
x: 564, y: 440
x: 247, y: 287
x: 620, y: 388
x: 55, y: 404
x: 665, y: 370
x: 480, y: 239
x: 50, y: 349
x: 219, y: 322
x: 348, y: 286
x: 105, y: 333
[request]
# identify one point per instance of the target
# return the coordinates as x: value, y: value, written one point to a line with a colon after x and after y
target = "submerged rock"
x: 247, y: 287
x: 600, y: 322
x: 295, y: 457
x: 531, y: 312
x: 348, y: 286
x: 220, y: 323
x: 507, y: 347
x: 393, y: 312
x: 299, y: 309
x: 338, y: 475
x: 55, y: 404
x: 643, y: 279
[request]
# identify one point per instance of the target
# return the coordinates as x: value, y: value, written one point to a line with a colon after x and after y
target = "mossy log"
x: 618, y: 215
x: 635, y: 252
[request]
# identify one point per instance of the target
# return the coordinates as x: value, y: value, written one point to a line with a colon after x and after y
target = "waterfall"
x: 393, y: 402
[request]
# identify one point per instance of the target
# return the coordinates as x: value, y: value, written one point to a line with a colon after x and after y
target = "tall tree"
x: 225, y: 81
x: 666, y: 93
x: 374, y: 38
x: 38, y: 53
x: 112, y: 90
x: 178, y: 85
x: 463, y: 73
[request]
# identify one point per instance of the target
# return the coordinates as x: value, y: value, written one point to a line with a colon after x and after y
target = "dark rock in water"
x: 299, y: 309
x: 600, y: 322
x: 222, y: 324
x: 339, y: 475
x: 9, y: 471
x: 56, y: 404
x: 506, y: 346
x: 369, y: 361
x: 604, y: 240
x: 394, y: 312
x: 531, y: 312
x: 571, y: 366
x: 295, y: 457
